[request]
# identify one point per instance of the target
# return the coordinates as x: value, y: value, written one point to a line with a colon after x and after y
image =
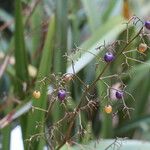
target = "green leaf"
x: 20, y: 58
x: 133, y: 124
x: 61, y: 36
x: 121, y: 144
x: 6, y: 133
x: 44, y: 70
x: 60, y: 62
x: 107, y: 32
x: 20, y: 52
x: 109, y: 9
x: 91, y: 9
x: 140, y: 72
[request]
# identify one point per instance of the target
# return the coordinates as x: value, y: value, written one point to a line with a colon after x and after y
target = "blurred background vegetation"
x: 34, y: 37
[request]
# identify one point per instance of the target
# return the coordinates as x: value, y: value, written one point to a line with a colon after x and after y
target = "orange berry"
x: 142, y: 47
x: 36, y: 94
x: 108, y: 109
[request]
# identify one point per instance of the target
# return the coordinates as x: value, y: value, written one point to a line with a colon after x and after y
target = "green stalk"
x: 20, y: 58
x: 60, y: 62
x: 6, y: 137
x: 44, y: 70
x: 20, y: 52
x: 61, y: 35
x: 6, y: 134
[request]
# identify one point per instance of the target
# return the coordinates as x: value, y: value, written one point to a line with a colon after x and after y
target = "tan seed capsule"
x: 142, y: 47
x: 36, y: 94
x: 67, y: 77
x: 108, y: 109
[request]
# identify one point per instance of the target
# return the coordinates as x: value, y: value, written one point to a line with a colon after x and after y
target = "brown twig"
x: 5, y: 25
x: 5, y: 63
x: 32, y: 10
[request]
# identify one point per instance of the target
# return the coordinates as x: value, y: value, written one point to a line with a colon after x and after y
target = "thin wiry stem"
x: 67, y: 137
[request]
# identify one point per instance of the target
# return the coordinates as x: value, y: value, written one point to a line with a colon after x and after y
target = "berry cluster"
x: 60, y: 91
x: 108, y: 57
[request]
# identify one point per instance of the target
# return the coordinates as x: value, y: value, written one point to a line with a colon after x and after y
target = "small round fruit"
x: 36, y: 94
x: 108, y: 109
x: 67, y: 77
x: 147, y: 25
x: 119, y: 94
x: 142, y: 47
x: 109, y: 56
x: 61, y: 94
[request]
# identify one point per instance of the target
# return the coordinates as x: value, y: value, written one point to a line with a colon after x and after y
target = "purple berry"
x: 147, y: 25
x: 61, y: 94
x: 109, y: 56
x: 119, y: 94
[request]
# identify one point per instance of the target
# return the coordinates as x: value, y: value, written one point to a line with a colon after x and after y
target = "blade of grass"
x: 44, y: 70
x: 140, y: 72
x: 109, y: 9
x: 20, y: 52
x: 135, y: 123
x: 60, y: 62
x: 6, y: 137
x: 20, y: 58
x: 6, y: 134
x: 61, y: 36
x: 93, y: 16
x: 111, y: 144
x: 36, y: 20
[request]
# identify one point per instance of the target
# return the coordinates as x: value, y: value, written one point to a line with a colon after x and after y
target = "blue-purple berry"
x: 61, y: 94
x: 119, y: 94
x: 109, y: 56
x: 147, y: 25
